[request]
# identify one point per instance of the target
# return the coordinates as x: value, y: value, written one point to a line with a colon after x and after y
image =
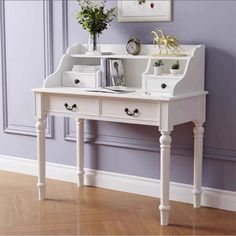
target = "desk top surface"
x: 137, y: 94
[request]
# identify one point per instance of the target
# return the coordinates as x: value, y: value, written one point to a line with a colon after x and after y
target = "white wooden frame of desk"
x: 171, y: 111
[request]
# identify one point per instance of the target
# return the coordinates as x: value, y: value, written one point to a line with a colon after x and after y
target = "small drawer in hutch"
x: 158, y: 85
x: 81, y: 80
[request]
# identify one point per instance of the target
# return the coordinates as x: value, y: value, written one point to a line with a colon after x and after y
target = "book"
x: 121, y: 89
x: 112, y: 89
x: 103, y: 72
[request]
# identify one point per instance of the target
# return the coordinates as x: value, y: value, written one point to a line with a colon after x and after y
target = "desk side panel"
x: 186, y: 110
x: 193, y: 80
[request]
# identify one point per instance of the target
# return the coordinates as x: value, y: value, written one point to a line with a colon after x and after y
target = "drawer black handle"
x: 70, y: 108
x: 163, y: 86
x: 77, y: 81
x: 135, y: 111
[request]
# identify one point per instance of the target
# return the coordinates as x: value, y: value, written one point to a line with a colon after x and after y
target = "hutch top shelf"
x: 127, y: 56
x: 119, y: 51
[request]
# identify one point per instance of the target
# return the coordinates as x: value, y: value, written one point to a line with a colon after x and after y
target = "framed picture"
x: 144, y: 10
x: 117, y: 75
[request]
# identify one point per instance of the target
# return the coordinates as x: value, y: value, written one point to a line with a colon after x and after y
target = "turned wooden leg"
x: 165, y: 144
x: 80, y: 151
x: 40, y: 130
x: 197, y: 176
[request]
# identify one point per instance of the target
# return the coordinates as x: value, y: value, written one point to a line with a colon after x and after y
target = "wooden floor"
x: 69, y: 210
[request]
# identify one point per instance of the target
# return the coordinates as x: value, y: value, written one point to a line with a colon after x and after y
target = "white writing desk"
x: 160, y: 110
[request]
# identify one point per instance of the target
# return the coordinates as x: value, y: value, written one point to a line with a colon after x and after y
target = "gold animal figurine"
x: 169, y: 43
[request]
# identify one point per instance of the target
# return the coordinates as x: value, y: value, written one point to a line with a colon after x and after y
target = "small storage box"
x: 81, y: 79
x: 162, y: 84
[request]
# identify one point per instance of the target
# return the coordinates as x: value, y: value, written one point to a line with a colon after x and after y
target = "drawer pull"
x: 163, y: 86
x: 70, y: 108
x: 77, y: 81
x: 135, y: 111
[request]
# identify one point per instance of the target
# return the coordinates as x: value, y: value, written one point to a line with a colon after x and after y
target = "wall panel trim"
x: 152, y: 146
x: 68, y: 134
x: 65, y: 24
x: 48, y: 67
x: 3, y: 64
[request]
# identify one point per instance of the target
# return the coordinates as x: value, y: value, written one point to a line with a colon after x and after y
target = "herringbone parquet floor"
x: 69, y: 210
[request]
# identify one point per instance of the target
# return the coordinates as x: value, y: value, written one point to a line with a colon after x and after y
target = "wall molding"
x: 3, y: 64
x: 151, y: 146
x: 69, y: 135
x: 48, y: 37
x: 211, y: 197
x: 65, y: 24
x: 48, y: 65
x: 221, y: 154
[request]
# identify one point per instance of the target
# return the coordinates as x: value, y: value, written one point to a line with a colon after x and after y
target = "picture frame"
x: 146, y: 10
x: 116, y: 70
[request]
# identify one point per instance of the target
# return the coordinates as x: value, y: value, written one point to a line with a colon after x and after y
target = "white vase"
x: 174, y: 71
x: 157, y: 70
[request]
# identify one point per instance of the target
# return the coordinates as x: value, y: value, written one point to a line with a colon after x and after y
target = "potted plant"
x: 157, y: 67
x: 94, y: 18
x: 175, y: 68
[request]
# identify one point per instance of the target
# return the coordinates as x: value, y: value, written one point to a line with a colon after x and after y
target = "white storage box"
x: 81, y: 79
x: 162, y: 84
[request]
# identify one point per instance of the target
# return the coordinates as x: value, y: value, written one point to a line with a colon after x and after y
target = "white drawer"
x: 130, y: 110
x: 85, y: 106
x: 82, y: 80
x: 158, y: 85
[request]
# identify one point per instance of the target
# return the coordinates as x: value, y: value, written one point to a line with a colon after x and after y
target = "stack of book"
x: 86, y: 68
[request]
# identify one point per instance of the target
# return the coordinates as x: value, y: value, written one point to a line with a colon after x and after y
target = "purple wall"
x: 127, y: 149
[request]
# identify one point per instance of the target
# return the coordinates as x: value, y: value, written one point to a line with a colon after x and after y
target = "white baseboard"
x: 132, y: 184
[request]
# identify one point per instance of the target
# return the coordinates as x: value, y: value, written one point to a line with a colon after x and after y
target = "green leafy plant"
x: 175, y: 66
x: 93, y: 17
x: 158, y: 63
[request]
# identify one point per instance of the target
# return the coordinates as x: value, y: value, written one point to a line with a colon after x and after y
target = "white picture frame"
x: 150, y: 10
x: 117, y: 75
